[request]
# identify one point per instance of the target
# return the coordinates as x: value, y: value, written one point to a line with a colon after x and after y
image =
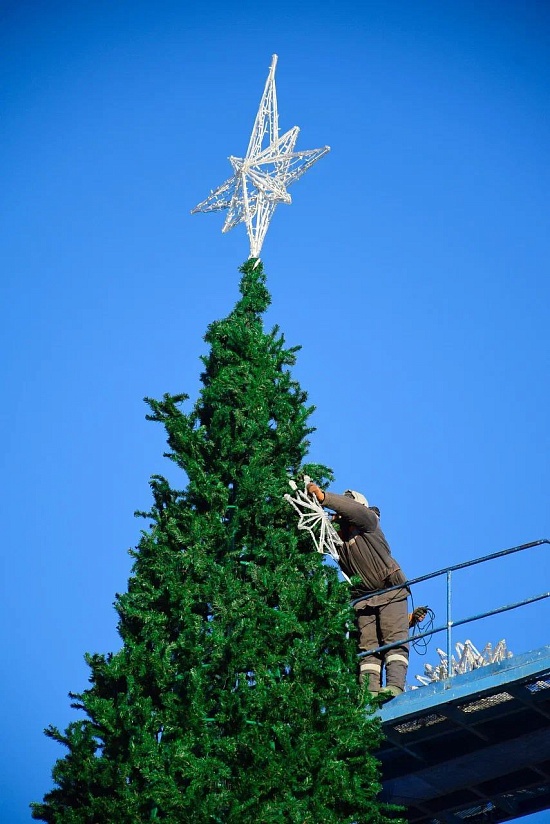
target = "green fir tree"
x: 234, y: 697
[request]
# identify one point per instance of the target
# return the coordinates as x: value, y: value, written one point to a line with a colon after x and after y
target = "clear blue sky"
x: 412, y: 266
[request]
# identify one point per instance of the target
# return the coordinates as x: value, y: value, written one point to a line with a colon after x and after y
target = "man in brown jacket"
x: 381, y: 619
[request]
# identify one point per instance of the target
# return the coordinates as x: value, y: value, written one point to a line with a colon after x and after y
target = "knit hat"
x: 356, y: 497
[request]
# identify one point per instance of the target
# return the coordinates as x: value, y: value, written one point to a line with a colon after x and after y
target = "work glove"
x: 417, y: 616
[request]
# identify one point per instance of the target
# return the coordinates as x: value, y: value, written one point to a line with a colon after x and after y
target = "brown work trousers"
x: 380, y: 625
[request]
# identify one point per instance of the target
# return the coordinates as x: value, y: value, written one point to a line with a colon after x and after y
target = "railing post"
x: 449, y: 626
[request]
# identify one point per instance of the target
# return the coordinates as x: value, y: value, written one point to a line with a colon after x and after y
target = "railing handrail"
x: 450, y: 623
x: 453, y: 568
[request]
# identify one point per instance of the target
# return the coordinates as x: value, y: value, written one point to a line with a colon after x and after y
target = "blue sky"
x: 412, y: 267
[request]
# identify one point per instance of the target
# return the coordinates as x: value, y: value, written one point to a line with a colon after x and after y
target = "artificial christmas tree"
x: 234, y: 697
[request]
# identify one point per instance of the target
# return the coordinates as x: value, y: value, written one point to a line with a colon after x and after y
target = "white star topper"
x: 261, y: 178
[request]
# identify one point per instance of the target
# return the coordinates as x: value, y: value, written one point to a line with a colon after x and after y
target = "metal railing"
x: 450, y: 623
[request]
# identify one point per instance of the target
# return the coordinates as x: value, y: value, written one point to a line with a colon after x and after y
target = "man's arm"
x: 357, y: 514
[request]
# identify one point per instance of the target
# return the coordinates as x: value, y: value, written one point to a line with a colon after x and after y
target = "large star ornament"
x: 313, y: 518
x: 261, y: 179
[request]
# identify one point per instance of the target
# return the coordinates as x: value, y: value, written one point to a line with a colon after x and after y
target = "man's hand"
x: 417, y: 616
x: 313, y: 489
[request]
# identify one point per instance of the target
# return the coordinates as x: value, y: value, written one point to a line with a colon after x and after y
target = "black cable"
x: 420, y: 645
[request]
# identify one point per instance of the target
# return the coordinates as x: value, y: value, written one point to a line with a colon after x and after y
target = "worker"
x: 381, y: 619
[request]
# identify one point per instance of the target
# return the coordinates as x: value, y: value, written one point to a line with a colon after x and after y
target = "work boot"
x: 389, y: 692
x: 396, y: 663
x: 370, y: 673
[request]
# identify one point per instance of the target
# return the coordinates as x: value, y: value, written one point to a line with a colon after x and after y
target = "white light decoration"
x: 468, y: 658
x: 261, y: 179
x: 314, y: 519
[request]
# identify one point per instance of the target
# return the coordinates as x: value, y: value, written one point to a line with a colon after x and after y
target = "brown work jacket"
x: 367, y: 553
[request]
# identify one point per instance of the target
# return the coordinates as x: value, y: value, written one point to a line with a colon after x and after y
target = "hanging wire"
x: 420, y: 645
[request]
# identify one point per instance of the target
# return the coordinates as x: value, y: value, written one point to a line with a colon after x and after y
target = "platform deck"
x: 474, y: 748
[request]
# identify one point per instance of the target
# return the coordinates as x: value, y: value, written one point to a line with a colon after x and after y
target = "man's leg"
x: 370, y: 667
x: 394, y: 626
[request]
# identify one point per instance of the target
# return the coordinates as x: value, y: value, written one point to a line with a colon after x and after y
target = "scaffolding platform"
x: 472, y: 748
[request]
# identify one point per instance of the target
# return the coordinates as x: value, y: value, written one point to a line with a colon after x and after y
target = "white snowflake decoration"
x: 468, y: 658
x: 261, y: 179
x: 314, y: 519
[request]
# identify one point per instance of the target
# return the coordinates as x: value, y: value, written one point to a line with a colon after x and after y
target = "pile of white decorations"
x: 468, y: 658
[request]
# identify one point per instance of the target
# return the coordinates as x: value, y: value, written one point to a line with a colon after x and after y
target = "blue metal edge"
x: 484, y: 679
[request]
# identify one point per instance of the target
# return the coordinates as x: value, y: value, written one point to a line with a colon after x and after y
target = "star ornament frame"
x: 313, y: 519
x: 261, y: 179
